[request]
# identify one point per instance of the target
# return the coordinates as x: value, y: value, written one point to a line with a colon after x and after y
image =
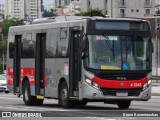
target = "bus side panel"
x: 10, y: 53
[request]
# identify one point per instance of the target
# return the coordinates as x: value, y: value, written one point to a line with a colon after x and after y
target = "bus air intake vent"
x: 112, y: 92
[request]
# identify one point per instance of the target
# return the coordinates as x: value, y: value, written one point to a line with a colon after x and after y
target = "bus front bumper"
x: 90, y: 93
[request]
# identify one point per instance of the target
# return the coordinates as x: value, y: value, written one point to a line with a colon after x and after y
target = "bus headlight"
x: 146, y: 85
x: 92, y: 83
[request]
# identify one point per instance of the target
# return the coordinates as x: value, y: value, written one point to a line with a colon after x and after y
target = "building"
x: 32, y: 9
x: 121, y: 8
x: 23, y: 9
x: 61, y: 3
x: 69, y: 10
x: 14, y: 9
x: 93, y: 4
x: 2, y: 11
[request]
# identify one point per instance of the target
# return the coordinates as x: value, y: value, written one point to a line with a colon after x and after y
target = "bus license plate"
x: 121, y: 94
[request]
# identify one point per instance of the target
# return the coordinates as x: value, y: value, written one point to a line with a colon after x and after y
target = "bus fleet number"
x: 136, y: 85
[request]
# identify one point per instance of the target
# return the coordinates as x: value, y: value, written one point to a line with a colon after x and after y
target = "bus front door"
x: 74, y: 63
x: 39, y: 63
x: 17, y: 63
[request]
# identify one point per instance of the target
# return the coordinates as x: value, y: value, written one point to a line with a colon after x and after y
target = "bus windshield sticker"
x: 125, y: 66
x: 114, y: 38
x: 109, y: 68
x: 66, y: 69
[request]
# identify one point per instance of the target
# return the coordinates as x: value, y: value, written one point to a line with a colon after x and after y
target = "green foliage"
x: 6, y: 24
x: 48, y: 13
x: 92, y: 12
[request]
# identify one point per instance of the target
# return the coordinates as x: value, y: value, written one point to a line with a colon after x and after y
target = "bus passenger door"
x: 39, y: 63
x: 74, y: 63
x: 17, y: 63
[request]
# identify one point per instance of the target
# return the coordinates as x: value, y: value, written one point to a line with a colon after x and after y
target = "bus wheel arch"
x: 26, y: 92
x: 25, y: 79
x: 63, y: 99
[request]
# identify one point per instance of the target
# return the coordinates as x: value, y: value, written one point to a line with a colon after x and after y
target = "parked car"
x: 3, y: 84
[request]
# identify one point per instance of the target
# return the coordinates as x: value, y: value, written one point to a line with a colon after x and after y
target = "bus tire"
x: 27, y: 98
x: 123, y: 104
x: 64, y: 96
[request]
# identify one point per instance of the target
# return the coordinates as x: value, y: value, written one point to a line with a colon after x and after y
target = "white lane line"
x: 99, y: 118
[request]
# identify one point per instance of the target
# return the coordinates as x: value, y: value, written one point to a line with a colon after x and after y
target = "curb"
x: 155, y: 94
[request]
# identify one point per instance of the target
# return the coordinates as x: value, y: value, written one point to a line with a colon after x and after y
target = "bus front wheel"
x: 63, y: 96
x: 123, y: 104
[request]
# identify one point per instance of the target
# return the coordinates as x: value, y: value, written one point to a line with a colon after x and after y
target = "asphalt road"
x: 97, y: 111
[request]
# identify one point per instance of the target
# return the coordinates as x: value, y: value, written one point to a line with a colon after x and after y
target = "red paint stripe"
x: 29, y: 72
x: 115, y: 84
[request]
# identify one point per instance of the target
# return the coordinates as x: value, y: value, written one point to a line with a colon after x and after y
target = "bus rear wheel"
x: 27, y: 98
x: 123, y: 104
x: 63, y: 96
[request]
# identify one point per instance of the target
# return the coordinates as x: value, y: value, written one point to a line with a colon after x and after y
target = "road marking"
x: 99, y: 118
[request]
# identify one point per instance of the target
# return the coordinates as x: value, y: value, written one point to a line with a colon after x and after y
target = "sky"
x: 45, y: 2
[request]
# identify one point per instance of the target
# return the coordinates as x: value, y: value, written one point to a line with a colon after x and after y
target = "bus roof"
x: 64, y: 21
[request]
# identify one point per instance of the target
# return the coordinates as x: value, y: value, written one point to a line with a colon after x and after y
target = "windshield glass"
x: 118, y: 52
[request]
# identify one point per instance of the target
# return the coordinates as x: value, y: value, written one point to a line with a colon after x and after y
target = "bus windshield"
x: 107, y: 52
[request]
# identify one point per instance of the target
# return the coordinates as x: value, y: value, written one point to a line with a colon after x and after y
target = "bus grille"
x: 112, y: 92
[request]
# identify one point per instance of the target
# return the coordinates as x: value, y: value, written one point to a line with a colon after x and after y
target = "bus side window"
x: 28, y: 47
x: 11, y: 50
x: 51, y: 43
x: 63, y: 43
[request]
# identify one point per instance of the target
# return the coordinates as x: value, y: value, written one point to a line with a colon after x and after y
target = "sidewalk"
x: 155, y: 90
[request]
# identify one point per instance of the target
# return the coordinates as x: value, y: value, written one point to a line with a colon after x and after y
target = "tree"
x: 48, y: 13
x: 92, y: 12
x: 42, y: 7
x: 6, y: 24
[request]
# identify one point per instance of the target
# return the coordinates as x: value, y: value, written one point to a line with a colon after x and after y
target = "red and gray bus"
x: 81, y: 59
